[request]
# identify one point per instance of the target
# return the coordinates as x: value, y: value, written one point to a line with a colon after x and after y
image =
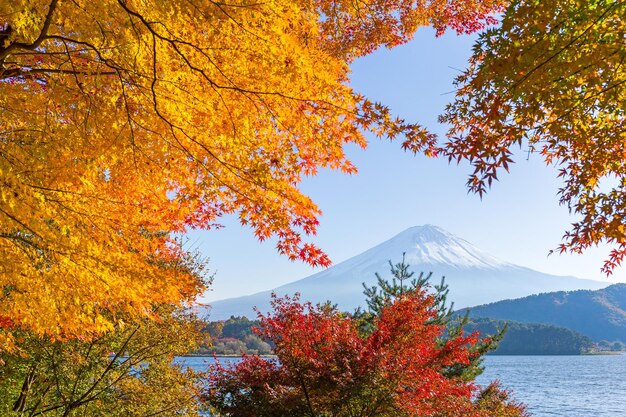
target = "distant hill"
x: 474, y: 276
x: 600, y: 314
x: 532, y: 338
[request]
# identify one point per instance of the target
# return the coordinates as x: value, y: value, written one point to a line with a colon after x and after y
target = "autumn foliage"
x: 327, y: 364
x: 128, y: 372
x: 125, y: 122
x: 551, y: 78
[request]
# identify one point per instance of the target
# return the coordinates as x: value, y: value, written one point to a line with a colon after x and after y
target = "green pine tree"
x: 403, y: 283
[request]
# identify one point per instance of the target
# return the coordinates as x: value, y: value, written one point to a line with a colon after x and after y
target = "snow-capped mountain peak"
x: 474, y: 276
x: 432, y: 245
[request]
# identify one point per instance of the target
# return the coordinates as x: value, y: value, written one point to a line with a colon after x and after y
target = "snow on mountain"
x: 474, y: 276
x: 431, y: 245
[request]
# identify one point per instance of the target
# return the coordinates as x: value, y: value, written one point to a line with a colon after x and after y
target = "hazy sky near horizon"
x: 519, y: 220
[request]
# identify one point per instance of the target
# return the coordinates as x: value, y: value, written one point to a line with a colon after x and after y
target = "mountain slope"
x: 600, y: 315
x: 474, y: 276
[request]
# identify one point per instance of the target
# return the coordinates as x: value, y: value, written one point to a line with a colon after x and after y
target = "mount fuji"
x: 474, y: 277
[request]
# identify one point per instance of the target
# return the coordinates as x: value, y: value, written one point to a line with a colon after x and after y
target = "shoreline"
x: 199, y: 355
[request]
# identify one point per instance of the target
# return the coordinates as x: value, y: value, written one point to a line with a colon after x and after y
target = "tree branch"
x: 42, y: 35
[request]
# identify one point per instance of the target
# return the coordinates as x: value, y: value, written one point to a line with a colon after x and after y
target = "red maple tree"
x: 405, y: 362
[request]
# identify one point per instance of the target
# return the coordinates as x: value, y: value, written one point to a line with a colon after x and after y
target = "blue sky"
x: 519, y: 220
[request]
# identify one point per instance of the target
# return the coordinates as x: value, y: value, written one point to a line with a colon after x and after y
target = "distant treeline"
x: 235, y: 337
x: 533, y: 339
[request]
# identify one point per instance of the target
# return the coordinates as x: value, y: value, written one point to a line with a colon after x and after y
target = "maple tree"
x: 126, y: 122
x: 127, y: 372
x: 410, y: 360
x: 552, y: 77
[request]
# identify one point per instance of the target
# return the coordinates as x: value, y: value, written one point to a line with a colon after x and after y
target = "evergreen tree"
x: 403, y: 284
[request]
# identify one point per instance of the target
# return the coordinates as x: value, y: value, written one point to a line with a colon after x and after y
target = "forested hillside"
x: 600, y: 315
x: 533, y: 339
x: 234, y: 337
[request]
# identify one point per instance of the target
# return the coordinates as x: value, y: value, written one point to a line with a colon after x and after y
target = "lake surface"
x: 564, y: 386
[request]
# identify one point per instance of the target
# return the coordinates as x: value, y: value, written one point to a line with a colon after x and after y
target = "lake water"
x: 564, y: 386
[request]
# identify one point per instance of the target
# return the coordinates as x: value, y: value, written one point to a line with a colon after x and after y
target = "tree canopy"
x: 126, y: 121
x: 552, y: 77
x: 127, y: 372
